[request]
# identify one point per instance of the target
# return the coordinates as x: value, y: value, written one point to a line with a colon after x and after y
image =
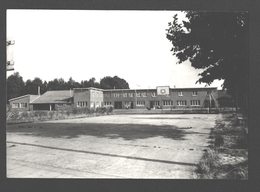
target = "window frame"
x: 140, y: 103
x: 181, y: 103
x: 167, y: 103
x: 15, y: 104
x: 196, y: 93
x: 153, y: 94
x: 180, y: 93
x: 130, y: 94
x: 138, y: 94
x: 197, y: 102
x: 23, y: 105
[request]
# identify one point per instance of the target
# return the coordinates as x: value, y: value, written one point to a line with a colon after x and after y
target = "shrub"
x: 101, y: 110
x: 110, y: 109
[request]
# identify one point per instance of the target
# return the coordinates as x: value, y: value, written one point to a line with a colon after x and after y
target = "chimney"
x: 39, y: 93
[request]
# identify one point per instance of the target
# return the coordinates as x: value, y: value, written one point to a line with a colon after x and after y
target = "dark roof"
x: 59, y: 96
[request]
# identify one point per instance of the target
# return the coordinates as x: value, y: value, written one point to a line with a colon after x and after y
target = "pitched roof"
x: 59, y: 96
x: 32, y: 97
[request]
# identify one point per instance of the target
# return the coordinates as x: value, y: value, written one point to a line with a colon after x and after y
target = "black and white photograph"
x: 127, y: 94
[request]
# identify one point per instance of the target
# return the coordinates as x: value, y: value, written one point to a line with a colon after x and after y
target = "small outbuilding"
x: 53, y: 100
x: 22, y: 103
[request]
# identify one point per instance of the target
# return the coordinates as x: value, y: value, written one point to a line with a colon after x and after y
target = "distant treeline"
x: 17, y: 87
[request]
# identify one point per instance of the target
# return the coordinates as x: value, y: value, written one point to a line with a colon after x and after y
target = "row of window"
x: 82, y: 104
x: 19, y: 105
x: 140, y: 103
x: 97, y: 94
x: 144, y: 94
x: 167, y: 103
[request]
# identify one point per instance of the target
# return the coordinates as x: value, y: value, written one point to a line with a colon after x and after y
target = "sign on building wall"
x: 163, y: 90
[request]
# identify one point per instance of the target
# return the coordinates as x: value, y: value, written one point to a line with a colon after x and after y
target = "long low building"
x: 161, y: 97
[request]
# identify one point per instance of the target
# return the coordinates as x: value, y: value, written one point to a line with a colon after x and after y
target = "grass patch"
x: 229, y: 160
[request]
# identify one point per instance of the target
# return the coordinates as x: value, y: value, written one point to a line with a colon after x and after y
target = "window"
x: 93, y: 94
x: 181, y: 103
x: 167, y: 103
x: 156, y: 103
x: 140, y: 103
x: 116, y: 94
x: 97, y: 104
x: 153, y: 94
x: 15, y: 105
x: 180, y: 93
x: 23, y: 105
x: 97, y: 94
x: 144, y: 94
x: 138, y: 94
x: 194, y: 93
x: 167, y: 95
x: 81, y: 104
x: 108, y: 95
x: 195, y: 102
x: 101, y: 94
x: 127, y: 104
x: 107, y: 103
x: 130, y: 94
x: 124, y: 94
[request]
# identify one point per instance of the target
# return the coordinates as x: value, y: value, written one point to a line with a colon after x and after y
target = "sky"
x: 86, y: 43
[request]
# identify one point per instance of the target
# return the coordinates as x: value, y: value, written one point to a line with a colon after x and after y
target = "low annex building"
x: 22, y: 103
x: 122, y: 98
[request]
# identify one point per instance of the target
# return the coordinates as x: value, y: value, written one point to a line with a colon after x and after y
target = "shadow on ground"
x: 111, y: 131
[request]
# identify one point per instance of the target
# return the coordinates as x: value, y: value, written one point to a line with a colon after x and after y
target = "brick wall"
x: 25, y: 99
x: 82, y: 96
x: 109, y: 96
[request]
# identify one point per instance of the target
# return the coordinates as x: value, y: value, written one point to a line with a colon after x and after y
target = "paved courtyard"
x: 116, y: 146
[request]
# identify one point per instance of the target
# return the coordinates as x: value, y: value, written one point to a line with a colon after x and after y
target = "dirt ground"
x: 116, y: 146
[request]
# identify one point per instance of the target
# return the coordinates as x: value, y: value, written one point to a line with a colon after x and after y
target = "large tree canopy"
x: 216, y: 43
x: 31, y: 87
x: 113, y: 82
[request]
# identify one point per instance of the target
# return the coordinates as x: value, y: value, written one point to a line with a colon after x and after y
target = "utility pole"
x: 10, y: 55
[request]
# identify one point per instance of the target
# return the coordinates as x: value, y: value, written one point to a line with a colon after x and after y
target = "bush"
x: 110, y: 109
x: 101, y: 110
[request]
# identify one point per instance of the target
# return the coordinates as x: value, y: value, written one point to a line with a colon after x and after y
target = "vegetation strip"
x: 227, y: 156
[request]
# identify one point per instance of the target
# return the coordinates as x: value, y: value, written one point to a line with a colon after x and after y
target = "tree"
x: 113, y: 82
x: 216, y: 43
x: 56, y: 84
x: 15, y: 86
x: 31, y: 87
x: 72, y: 84
x: 90, y: 83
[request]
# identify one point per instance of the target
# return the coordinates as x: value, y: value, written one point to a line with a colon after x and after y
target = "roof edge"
x: 20, y: 97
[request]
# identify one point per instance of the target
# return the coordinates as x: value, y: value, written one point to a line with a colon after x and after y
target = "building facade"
x: 148, y: 98
x: 121, y: 99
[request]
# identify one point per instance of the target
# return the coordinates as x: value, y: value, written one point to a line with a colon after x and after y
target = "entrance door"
x: 132, y: 104
x: 151, y: 104
x: 118, y: 105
